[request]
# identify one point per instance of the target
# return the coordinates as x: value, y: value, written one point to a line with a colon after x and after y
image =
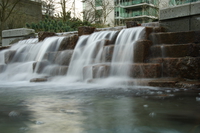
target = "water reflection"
x: 45, y: 108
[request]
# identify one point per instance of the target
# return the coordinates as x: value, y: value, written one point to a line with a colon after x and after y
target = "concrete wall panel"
x: 175, y: 12
x: 181, y: 24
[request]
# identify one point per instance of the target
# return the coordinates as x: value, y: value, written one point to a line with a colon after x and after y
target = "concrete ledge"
x: 8, y: 41
x: 180, y: 11
x: 17, y: 32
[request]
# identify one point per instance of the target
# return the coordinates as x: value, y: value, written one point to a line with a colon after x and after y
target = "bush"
x: 53, y: 24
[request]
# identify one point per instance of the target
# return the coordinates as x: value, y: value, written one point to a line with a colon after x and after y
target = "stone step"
x: 175, y: 50
x: 140, y: 53
x: 175, y: 37
x: 60, y: 57
x: 136, y: 70
x: 184, y: 67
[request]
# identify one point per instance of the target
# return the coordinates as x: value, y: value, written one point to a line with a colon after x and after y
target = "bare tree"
x: 6, y: 9
x: 97, y: 10
x: 48, y: 7
x: 66, y: 8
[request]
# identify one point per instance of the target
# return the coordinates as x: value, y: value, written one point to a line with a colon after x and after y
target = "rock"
x: 2, y: 68
x: 14, y: 114
x: 54, y: 70
x: 108, y: 53
x: 39, y: 80
x: 96, y: 71
x: 188, y: 84
x: 42, y: 35
x: 38, y: 67
x: 85, y: 30
x: 4, y: 47
x: 64, y: 57
x: 130, y: 24
x: 141, y: 51
x: 8, y: 56
x: 185, y: 67
x: 69, y: 42
x: 145, y: 70
x: 175, y: 50
x: 175, y: 37
x: 163, y: 83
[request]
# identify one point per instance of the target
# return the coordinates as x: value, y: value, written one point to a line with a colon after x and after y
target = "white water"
x: 123, y: 54
x: 27, y: 52
x: 88, y: 51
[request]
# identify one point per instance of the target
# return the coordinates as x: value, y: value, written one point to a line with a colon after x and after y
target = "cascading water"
x: 124, y: 51
x: 88, y: 51
x: 25, y: 54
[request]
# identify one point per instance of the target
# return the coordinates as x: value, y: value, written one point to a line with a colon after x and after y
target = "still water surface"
x: 82, y: 108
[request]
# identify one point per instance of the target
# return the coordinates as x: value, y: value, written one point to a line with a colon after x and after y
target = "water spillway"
x: 126, y: 55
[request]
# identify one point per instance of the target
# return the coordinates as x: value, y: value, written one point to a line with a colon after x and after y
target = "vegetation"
x: 54, y: 24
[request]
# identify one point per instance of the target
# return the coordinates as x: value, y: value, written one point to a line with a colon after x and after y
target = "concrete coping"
x: 180, y: 11
x: 20, y: 32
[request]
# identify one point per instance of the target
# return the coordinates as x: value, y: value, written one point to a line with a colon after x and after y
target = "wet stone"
x: 39, y: 80
x: 63, y: 57
x: 145, y: 70
x: 2, y: 68
x: 176, y: 50
x: 176, y: 37
x: 108, y: 53
x: 141, y: 51
x: 130, y: 24
x: 69, y: 42
x: 38, y: 67
x: 42, y: 35
x: 9, y: 56
x: 85, y: 30
x: 185, y: 67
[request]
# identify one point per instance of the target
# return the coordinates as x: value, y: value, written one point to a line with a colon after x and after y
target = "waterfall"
x: 24, y: 54
x: 124, y: 51
x: 88, y: 51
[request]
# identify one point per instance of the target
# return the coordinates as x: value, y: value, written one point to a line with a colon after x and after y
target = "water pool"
x: 82, y: 108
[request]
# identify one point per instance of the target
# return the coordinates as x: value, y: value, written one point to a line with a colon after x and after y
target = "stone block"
x: 4, y: 47
x: 39, y: 80
x: 145, y: 70
x: 130, y: 24
x: 8, y: 56
x: 108, y: 53
x: 185, y: 67
x: 69, y: 42
x: 44, y: 34
x: 141, y: 51
x: 63, y: 57
x: 96, y: 71
x: 2, y: 68
x: 85, y: 30
x: 163, y: 83
x: 175, y: 50
x: 21, y: 32
x: 55, y: 70
x: 176, y: 37
x: 38, y: 67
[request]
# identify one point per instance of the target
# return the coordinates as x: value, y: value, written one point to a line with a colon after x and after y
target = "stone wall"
x: 184, y: 17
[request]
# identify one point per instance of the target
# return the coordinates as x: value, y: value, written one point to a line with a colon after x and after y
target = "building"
x: 141, y: 11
